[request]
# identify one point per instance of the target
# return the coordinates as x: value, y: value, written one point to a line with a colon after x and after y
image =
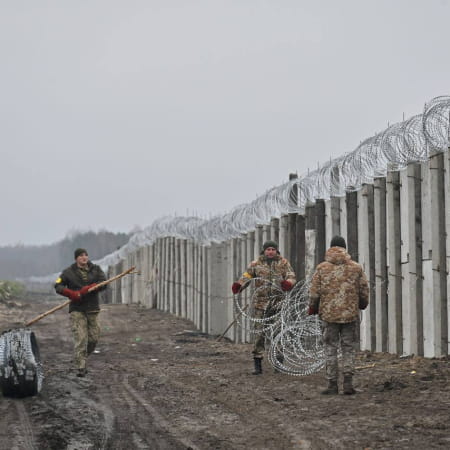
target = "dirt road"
x: 158, y: 384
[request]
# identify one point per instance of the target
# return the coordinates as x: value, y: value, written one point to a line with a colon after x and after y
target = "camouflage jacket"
x: 274, y: 271
x: 339, y: 287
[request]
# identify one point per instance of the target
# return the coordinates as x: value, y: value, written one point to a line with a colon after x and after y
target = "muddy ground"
x: 158, y: 384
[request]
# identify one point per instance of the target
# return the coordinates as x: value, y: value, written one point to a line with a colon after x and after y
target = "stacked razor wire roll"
x: 21, y: 372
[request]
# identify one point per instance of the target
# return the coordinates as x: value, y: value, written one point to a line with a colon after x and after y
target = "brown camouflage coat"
x: 274, y: 271
x: 339, y: 287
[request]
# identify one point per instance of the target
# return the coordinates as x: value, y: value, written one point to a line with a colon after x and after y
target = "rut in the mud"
x: 157, y: 383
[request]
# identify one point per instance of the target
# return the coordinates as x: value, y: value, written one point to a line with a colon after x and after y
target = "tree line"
x: 21, y: 261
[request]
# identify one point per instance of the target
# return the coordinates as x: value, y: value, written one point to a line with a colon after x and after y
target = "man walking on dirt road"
x: 272, y: 272
x: 339, y: 288
x: 75, y: 282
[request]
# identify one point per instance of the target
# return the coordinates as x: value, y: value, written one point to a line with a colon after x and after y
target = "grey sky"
x: 115, y: 113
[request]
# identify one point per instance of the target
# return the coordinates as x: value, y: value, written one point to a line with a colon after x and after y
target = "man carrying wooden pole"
x: 79, y: 282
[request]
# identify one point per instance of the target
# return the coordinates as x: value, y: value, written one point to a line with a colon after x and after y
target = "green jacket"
x: 72, y: 278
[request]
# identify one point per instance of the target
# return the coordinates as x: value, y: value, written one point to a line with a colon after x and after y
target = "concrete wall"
x: 397, y: 228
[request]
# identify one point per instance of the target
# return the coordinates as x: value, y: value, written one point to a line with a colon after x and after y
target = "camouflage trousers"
x: 343, y: 335
x: 260, y: 335
x: 85, y: 332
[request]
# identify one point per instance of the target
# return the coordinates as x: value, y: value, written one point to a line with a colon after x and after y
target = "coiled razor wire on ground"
x: 21, y: 372
x: 294, y: 339
x: 412, y: 140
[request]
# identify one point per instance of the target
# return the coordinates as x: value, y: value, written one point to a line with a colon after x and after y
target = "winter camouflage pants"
x: 343, y: 334
x: 85, y: 331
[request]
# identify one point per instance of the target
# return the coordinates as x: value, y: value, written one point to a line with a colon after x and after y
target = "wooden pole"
x: 94, y: 288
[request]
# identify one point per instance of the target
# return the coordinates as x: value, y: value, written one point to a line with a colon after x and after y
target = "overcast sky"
x: 115, y: 113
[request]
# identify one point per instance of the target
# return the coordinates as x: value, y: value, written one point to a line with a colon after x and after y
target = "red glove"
x: 312, y: 311
x: 236, y: 288
x: 85, y: 289
x: 286, y: 285
x: 74, y: 296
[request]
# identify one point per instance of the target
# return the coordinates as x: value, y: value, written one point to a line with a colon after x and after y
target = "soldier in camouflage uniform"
x: 339, y: 288
x: 271, y: 269
x: 74, y: 283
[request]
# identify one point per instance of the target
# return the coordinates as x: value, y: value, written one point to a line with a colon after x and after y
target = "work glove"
x: 286, y: 285
x: 312, y: 311
x: 363, y: 303
x: 236, y: 287
x: 85, y: 289
x: 74, y: 296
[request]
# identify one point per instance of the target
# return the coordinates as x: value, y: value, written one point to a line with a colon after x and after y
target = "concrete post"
x: 235, y: 271
x: 206, y: 251
x: 244, y: 260
x: 108, y: 294
x: 332, y: 219
x: 320, y: 231
x: 438, y: 315
x: 266, y: 233
x: 292, y: 233
x: 172, y: 275
x: 301, y: 247
x: 183, y: 277
x: 189, y: 279
x: 119, y: 283
x: 167, y: 271
x: 284, y: 236
x: 177, y: 277
x: 366, y: 246
x: 430, y: 325
x: 219, y: 287
x: 128, y: 281
x: 447, y: 228
x: 351, y: 206
x: 411, y: 252
x: 258, y: 239
x: 381, y: 325
x: 275, y: 230
x: 310, y: 240
x: 144, y: 276
x: 250, y: 256
x: 343, y: 217
x: 198, y: 286
x: 395, y: 326
x: 160, y: 271
x: 153, y: 279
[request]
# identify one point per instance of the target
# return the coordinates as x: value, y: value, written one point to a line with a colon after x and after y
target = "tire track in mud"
x: 214, y: 408
x: 16, y: 425
x: 66, y: 415
x: 27, y: 429
x: 137, y: 420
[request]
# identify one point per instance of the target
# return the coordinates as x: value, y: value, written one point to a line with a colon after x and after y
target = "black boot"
x: 258, y: 366
x: 332, y: 388
x: 91, y: 347
x: 348, y: 385
x: 81, y: 372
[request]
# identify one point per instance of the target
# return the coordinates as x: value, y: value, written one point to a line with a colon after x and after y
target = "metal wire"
x: 393, y: 149
x: 293, y: 339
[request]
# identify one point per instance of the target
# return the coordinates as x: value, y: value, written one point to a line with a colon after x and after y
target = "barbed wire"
x: 294, y: 339
x: 412, y: 140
